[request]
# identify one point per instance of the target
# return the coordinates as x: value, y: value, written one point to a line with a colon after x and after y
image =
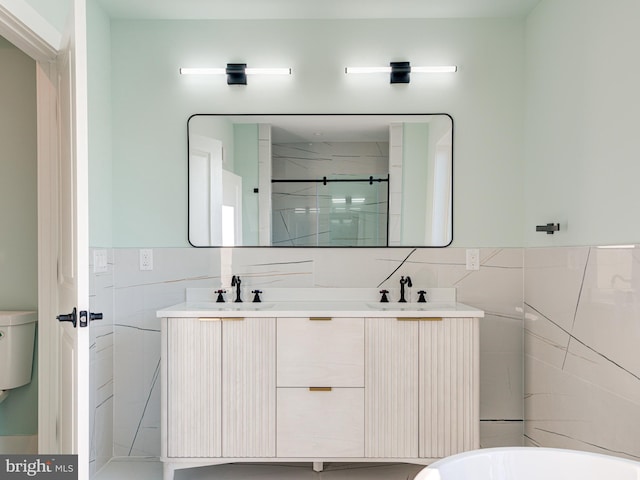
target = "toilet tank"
x: 17, y: 334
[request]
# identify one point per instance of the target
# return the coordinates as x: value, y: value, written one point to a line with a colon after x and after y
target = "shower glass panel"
x: 341, y: 211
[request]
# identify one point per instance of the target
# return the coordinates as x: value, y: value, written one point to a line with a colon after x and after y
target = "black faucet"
x: 256, y: 295
x: 404, y: 281
x: 235, y: 282
x: 220, y: 298
x: 384, y: 298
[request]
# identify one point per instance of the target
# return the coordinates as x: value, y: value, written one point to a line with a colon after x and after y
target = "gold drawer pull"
x: 320, y: 389
x: 219, y: 319
x: 319, y: 319
x: 419, y: 319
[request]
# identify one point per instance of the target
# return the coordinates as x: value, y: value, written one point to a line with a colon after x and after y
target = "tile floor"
x: 152, y: 470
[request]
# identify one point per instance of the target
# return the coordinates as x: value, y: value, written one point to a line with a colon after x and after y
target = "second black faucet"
x: 235, y: 282
x: 404, y: 281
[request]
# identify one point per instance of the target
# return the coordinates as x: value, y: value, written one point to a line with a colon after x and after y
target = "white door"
x: 205, y: 191
x: 73, y: 249
x: 63, y: 396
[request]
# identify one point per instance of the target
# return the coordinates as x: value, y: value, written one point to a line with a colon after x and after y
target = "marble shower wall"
x: 582, y: 335
x: 496, y: 287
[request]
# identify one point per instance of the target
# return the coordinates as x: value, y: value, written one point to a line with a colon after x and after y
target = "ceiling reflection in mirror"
x: 367, y: 180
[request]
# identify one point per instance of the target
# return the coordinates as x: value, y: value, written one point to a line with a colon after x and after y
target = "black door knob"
x: 69, y: 317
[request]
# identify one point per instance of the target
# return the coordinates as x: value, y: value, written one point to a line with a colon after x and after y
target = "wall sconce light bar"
x: 202, y: 71
x: 400, y: 71
x: 236, y: 72
x: 438, y: 69
x: 435, y: 69
x: 367, y: 70
x: 223, y: 71
x: 268, y: 71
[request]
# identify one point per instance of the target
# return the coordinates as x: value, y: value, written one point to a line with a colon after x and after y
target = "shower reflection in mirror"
x: 320, y: 180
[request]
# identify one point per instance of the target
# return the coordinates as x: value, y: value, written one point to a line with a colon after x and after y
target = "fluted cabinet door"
x: 449, y: 386
x: 391, y: 386
x: 249, y: 387
x: 194, y: 386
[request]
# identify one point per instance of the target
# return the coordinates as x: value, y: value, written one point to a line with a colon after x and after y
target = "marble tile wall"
x: 581, y: 379
x: 101, y: 364
x: 582, y: 333
x: 496, y: 288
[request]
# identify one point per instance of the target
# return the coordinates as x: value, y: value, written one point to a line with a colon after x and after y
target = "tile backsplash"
x: 132, y: 333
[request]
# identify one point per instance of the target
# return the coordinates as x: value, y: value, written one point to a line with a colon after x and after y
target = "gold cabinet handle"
x: 220, y: 319
x: 320, y: 389
x: 320, y: 319
x: 419, y: 319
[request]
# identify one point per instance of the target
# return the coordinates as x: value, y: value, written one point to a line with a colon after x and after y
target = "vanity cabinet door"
x: 220, y: 387
x: 327, y: 352
x: 320, y: 422
x: 249, y: 387
x: 421, y: 387
x: 391, y: 388
x: 449, y: 387
x: 193, y: 388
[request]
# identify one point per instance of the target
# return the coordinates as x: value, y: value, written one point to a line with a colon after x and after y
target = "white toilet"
x: 17, y: 333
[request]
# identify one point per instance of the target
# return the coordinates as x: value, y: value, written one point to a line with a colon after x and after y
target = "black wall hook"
x: 549, y: 228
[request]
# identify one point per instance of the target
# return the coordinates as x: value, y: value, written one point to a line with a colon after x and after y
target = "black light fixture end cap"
x: 400, y: 72
x: 236, y: 73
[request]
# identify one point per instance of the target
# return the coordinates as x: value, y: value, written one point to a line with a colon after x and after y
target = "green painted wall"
x: 582, y: 148
x: 152, y: 102
x: 18, y: 216
x: 100, y: 139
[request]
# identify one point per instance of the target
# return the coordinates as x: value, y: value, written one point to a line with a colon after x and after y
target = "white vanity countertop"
x: 319, y: 309
x: 320, y: 302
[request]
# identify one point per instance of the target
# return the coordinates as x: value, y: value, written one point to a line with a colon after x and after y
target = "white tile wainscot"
x: 317, y: 382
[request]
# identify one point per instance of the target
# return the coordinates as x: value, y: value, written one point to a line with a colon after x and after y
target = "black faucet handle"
x: 256, y: 296
x: 422, y: 298
x: 384, y: 298
x: 220, y: 298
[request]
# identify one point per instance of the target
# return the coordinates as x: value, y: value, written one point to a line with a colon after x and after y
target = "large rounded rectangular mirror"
x: 369, y: 180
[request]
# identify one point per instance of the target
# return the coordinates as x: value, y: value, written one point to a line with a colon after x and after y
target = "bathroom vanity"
x: 316, y: 381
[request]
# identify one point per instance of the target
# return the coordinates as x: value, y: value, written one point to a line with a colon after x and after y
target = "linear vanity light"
x: 399, y: 72
x: 236, y: 72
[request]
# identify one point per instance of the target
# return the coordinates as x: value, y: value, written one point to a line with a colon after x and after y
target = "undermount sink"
x: 229, y: 306
x: 408, y: 306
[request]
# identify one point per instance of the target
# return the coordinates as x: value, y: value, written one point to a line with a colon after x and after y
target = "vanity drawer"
x: 322, y: 422
x: 326, y: 352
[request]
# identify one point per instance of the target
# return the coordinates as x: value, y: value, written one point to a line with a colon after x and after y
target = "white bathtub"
x: 530, y: 463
